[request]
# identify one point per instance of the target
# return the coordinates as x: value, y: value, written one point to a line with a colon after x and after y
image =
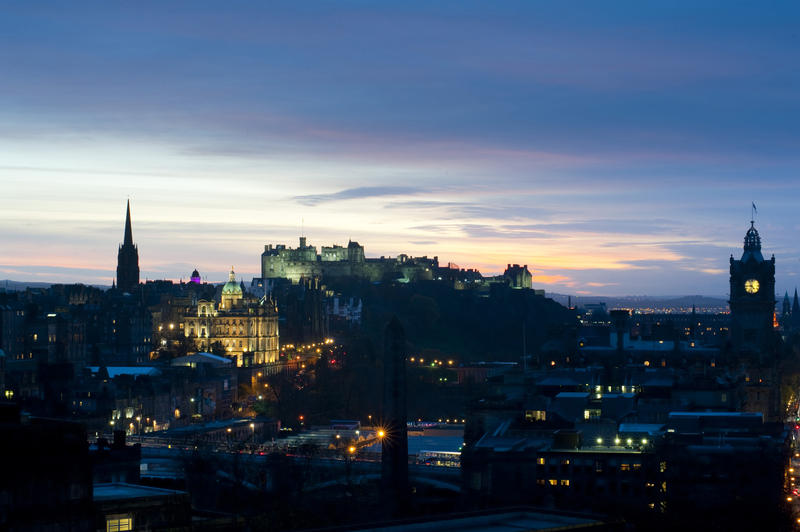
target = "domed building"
x: 195, y: 277
x: 232, y: 293
x: 246, y: 326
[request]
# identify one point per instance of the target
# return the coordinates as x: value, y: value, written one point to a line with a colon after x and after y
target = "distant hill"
x: 8, y: 285
x: 656, y: 303
x: 18, y: 286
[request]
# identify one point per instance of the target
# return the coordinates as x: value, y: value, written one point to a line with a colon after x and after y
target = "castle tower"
x: 752, y: 298
x: 128, y: 258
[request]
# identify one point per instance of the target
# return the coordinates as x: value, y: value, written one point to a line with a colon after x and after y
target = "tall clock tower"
x: 752, y: 298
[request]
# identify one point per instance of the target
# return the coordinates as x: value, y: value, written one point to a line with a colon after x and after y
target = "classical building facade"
x: 752, y: 298
x: 128, y: 258
x: 245, y: 326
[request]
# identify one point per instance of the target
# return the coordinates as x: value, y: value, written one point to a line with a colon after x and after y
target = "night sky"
x: 614, y: 147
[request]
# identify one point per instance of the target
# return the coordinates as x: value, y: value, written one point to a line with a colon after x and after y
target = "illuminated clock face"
x: 751, y: 286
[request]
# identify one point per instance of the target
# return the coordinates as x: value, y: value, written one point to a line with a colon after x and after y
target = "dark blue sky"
x: 613, y: 147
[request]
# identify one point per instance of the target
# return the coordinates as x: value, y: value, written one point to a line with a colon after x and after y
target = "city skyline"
x: 614, y: 150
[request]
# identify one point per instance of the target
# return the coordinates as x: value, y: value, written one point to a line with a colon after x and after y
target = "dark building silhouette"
x: 46, y: 482
x: 128, y: 259
x: 394, y: 456
x: 752, y: 298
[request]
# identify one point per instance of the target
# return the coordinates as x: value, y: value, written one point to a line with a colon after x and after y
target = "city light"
x: 720, y: 452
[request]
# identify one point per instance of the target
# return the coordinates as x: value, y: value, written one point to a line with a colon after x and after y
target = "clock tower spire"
x: 752, y: 298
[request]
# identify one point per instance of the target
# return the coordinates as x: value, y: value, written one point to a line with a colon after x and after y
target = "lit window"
x: 117, y: 524
x: 535, y: 415
x: 540, y: 461
x: 553, y: 482
x: 564, y: 482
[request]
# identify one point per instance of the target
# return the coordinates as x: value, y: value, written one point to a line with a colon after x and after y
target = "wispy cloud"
x: 312, y: 200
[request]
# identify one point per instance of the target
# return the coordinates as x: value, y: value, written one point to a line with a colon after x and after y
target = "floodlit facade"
x: 245, y: 326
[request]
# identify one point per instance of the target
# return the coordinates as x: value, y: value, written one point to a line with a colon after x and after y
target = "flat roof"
x: 515, y: 521
x: 114, y: 371
x: 717, y: 414
x: 649, y: 428
x: 194, y: 356
x: 121, y: 490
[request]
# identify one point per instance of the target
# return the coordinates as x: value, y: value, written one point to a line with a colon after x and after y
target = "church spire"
x: 128, y: 231
x: 795, y: 304
x: 128, y: 258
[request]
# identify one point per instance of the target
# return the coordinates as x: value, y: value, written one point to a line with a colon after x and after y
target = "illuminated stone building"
x: 338, y: 261
x: 518, y: 276
x: 244, y: 325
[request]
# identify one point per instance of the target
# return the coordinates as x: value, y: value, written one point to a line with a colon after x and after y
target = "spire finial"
x: 128, y: 240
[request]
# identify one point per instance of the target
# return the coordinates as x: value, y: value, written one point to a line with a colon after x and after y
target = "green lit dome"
x: 232, y: 287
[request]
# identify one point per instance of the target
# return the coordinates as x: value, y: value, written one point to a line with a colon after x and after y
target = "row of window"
x: 598, y: 464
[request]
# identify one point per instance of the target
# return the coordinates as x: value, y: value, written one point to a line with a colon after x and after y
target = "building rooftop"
x: 581, y: 395
x: 745, y: 415
x: 200, y: 357
x: 121, y: 490
x: 528, y: 520
x: 641, y: 428
x: 114, y: 371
